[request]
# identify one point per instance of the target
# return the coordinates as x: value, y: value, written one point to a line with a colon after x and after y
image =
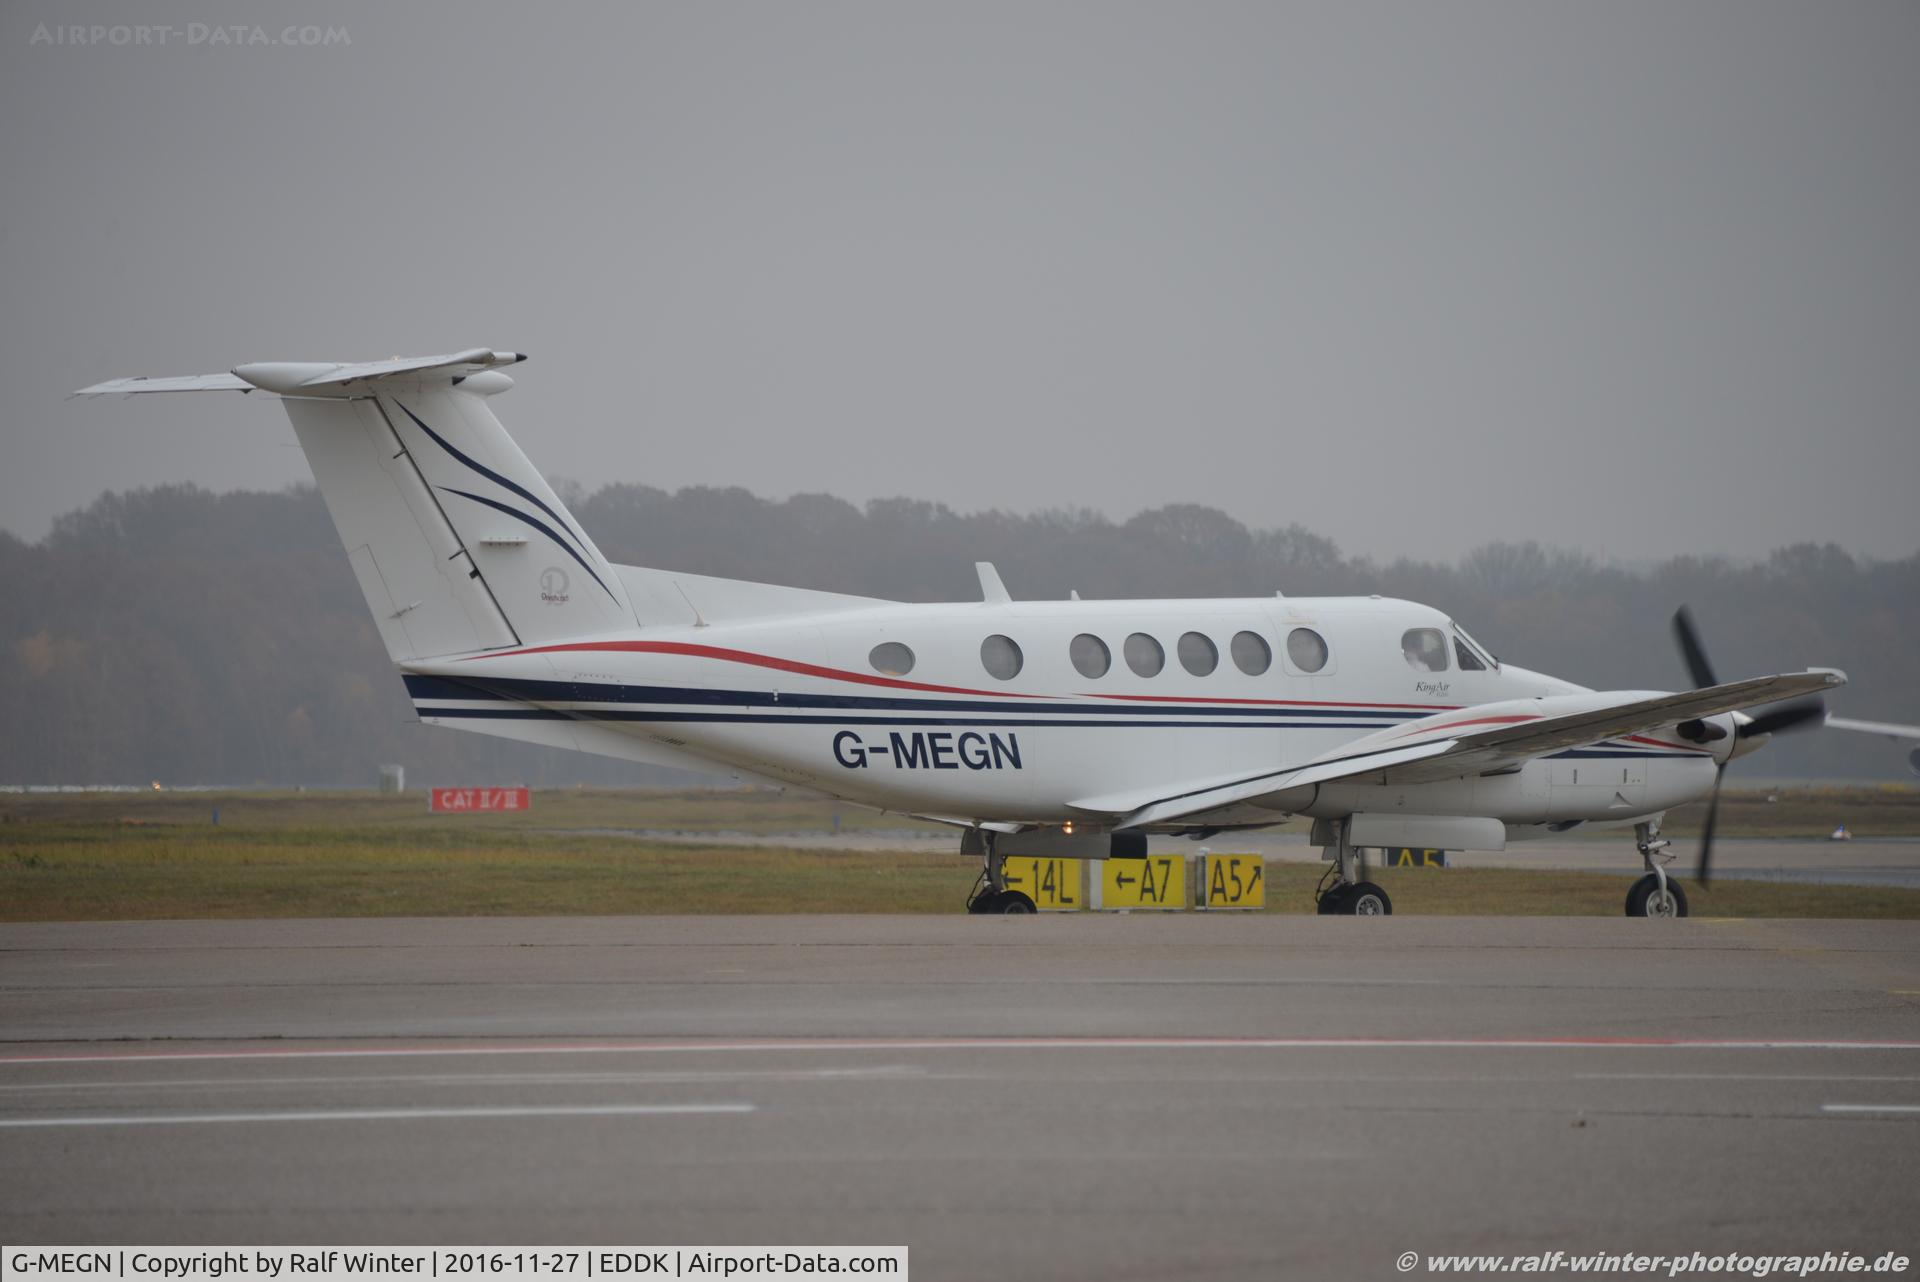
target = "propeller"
x: 1691, y: 650
x: 1787, y: 716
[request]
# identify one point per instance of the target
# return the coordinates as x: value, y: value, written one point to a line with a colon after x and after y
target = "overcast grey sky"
x: 1631, y: 278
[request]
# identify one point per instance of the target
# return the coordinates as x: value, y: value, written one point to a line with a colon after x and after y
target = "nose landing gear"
x: 1655, y: 895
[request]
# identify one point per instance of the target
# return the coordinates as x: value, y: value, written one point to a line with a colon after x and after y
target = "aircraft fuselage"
x: 832, y: 703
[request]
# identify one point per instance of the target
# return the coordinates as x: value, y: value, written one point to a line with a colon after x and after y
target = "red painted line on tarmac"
x: 981, y: 1043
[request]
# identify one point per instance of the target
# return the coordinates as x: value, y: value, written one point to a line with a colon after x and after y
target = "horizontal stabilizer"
x: 173, y: 383
x: 311, y: 378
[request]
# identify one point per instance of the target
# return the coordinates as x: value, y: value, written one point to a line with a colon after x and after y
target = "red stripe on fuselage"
x: 758, y: 661
x: 729, y: 655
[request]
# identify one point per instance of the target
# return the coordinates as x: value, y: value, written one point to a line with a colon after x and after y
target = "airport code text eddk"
x: 491, y: 1262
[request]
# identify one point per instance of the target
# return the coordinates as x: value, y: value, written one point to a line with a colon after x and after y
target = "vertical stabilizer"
x: 548, y: 578
x: 409, y: 560
x: 456, y: 540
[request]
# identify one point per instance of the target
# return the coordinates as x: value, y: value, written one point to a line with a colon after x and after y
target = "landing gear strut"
x: 990, y: 894
x: 1655, y: 895
x: 1350, y: 894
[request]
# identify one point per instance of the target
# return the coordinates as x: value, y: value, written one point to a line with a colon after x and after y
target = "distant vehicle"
x: 1037, y: 727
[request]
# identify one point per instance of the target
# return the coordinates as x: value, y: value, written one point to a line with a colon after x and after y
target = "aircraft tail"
x: 458, y: 543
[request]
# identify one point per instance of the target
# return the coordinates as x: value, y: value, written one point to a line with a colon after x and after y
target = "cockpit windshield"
x: 1472, y: 656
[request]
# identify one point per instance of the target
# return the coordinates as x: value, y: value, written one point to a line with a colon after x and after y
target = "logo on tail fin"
x: 553, y: 586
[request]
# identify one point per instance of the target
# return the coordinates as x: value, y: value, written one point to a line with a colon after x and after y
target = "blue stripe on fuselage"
x: 521, y: 694
x: 528, y: 712
x: 531, y: 691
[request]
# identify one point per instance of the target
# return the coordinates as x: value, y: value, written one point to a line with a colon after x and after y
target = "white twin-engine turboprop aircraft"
x: 1038, y: 727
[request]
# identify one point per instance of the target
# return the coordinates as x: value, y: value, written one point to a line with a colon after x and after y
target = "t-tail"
x: 457, y: 541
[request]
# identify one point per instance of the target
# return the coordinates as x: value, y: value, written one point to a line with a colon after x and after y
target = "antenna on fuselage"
x: 992, y: 590
x: 698, y: 622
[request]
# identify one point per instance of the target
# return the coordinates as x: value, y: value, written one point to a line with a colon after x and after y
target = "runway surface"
x: 1067, y: 1097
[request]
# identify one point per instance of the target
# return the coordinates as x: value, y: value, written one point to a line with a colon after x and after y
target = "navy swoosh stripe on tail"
x: 539, y: 525
x: 500, y: 480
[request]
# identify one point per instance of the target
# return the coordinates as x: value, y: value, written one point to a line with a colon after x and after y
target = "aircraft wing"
x: 1468, y: 741
x: 1885, y: 729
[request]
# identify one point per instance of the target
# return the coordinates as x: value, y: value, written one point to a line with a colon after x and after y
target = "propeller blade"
x: 1785, y: 717
x: 1691, y: 650
x: 1704, y: 873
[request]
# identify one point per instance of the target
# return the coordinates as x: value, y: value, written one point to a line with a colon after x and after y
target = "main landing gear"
x: 1655, y: 895
x: 1345, y: 891
x: 990, y: 894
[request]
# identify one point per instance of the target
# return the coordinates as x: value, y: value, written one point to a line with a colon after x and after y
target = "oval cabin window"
x: 1144, y: 655
x: 1251, y: 654
x: 1090, y: 656
x: 1307, y: 649
x: 1198, y: 654
x: 891, y: 659
x: 1001, y: 657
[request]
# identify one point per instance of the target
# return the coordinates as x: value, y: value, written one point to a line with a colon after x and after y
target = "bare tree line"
x: 190, y: 637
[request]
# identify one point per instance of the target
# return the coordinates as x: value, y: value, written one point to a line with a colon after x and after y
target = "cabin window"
x: 1144, y: 655
x: 890, y: 658
x: 1090, y: 656
x: 1251, y: 654
x: 1469, y: 661
x: 1001, y: 657
x: 1198, y: 654
x: 1425, y: 649
x: 1307, y: 649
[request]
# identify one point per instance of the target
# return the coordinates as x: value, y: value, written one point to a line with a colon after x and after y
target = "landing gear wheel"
x: 1334, y: 902
x: 987, y: 901
x: 1645, y: 900
x: 1013, y: 903
x: 1364, y: 899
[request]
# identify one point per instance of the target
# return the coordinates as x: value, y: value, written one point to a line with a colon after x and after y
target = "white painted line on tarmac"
x: 379, y: 1115
x: 776, y: 1046
x: 1870, y: 1108
x: 877, y: 1072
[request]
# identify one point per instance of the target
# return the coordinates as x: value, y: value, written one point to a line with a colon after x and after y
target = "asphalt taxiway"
x: 1071, y: 1097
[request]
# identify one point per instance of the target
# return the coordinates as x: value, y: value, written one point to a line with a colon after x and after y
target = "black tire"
x: 1332, y: 904
x: 987, y: 901
x: 1643, y: 900
x: 1364, y: 899
x: 1015, y: 904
